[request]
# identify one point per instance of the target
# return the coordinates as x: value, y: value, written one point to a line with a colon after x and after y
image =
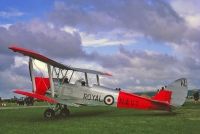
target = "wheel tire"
x: 64, y: 112
x: 49, y: 113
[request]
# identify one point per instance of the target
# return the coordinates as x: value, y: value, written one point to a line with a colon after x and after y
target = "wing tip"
x: 14, y: 47
x: 11, y: 47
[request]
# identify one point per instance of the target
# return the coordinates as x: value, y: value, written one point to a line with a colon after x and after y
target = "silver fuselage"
x: 76, y: 94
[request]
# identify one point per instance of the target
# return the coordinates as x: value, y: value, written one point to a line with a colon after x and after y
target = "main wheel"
x: 49, y: 113
x: 64, y: 112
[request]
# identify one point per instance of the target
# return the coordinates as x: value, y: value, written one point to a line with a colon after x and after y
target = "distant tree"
x: 15, y: 98
x: 196, y: 95
x: 29, y: 101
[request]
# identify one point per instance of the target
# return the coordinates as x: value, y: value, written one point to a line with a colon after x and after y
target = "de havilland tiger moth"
x: 58, y: 89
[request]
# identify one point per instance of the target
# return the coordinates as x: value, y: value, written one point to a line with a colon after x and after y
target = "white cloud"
x: 11, y: 13
x: 38, y: 66
x: 20, y: 61
x: 193, y: 20
x: 144, y: 70
x: 69, y: 29
x: 189, y: 10
x: 7, y: 26
x: 11, y: 80
x: 114, y: 37
x: 95, y: 41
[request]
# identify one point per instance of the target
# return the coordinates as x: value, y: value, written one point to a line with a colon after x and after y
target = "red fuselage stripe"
x: 128, y: 100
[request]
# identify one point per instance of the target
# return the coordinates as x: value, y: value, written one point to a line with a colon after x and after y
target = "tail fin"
x: 179, y: 92
x: 163, y: 95
x: 42, y: 85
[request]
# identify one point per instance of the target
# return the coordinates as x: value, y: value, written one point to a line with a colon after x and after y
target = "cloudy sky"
x: 144, y: 43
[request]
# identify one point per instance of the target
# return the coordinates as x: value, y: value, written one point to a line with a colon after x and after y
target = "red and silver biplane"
x: 58, y: 89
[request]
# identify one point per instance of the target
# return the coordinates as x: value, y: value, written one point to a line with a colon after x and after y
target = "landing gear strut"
x: 59, y: 110
x: 49, y: 113
x: 64, y: 112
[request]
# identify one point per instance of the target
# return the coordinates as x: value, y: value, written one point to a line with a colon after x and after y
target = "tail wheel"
x: 49, y: 113
x: 64, y: 112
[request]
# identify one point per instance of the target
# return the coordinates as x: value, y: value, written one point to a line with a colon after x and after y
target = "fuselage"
x: 86, y: 95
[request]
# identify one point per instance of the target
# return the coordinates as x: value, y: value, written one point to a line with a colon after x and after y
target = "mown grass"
x: 15, y: 104
x: 103, y: 120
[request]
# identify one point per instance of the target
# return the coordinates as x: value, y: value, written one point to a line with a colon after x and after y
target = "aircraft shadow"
x: 159, y: 113
x: 110, y: 113
x: 113, y: 113
x: 89, y: 113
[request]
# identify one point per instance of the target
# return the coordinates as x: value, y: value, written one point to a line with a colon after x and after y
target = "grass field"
x: 103, y: 120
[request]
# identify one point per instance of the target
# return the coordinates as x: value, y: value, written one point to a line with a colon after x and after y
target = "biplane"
x: 58, y: 89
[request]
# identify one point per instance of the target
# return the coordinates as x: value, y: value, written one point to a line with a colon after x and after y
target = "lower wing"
x: 35, y: 95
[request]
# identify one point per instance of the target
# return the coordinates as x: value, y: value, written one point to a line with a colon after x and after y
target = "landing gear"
x: 64, y: 112
x: 49, y: 113
x: 59, y: 110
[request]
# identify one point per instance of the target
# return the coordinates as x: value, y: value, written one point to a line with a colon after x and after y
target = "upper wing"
x: 42, y: 58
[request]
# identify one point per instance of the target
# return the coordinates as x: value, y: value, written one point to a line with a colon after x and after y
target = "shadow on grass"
x: 79, y: 114
x: 90, y: 113
x: 156, y: 113
x: 115, y: 113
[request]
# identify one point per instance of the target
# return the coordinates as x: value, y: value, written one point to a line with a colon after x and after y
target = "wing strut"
x: 98, y: 83
x: 31, y: 74
x: 51, y: 80
x: 86, y: 79
x: 71, y: 75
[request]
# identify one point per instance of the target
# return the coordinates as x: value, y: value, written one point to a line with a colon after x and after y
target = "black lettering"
x: 85, y: 96
x: 89, y: 97
x: 132, y: 103
x: 184, y: 83
x: 96, y: 98
x: 127, y: 102
x: 93, y: 97
x: 100, y: 99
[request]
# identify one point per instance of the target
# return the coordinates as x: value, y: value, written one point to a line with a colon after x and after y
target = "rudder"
x: 179, y: 90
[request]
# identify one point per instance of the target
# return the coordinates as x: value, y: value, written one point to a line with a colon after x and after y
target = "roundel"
x: 108, y: 99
